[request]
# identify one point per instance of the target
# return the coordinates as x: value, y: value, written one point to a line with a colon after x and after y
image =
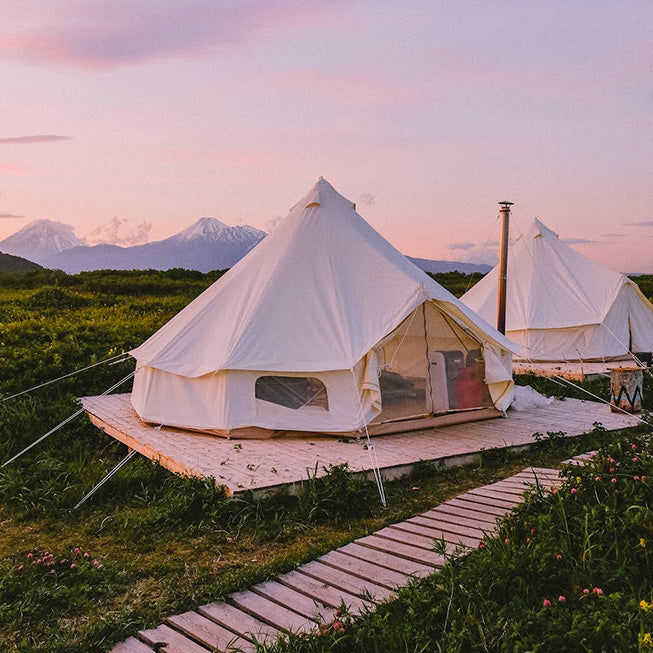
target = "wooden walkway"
x: 264, y: 465
x: 359, y: 575
x: 581, y: 371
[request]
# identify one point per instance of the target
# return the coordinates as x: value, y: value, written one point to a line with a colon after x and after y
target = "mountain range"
x: 207, y: 244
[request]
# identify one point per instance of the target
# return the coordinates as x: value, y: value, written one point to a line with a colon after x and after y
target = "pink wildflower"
x: 507, y: 540
x: 481, y: 546
x: 528, y: 540
x: 635, y: 478
x: 597, y: 590
x: 558, y: 557
x: 336, y: 625
x: 77, y: 550
x: 613, y: 480
x: 20, y: 567
x: 611, y: 469
x: 574, y: 490
x: 30, y: 555
x: 635, y: 459
x: 52, y: 571
x: 586, y: 591
x: 643, y: 477
x: 546, y: 603
x: 611, y: 460
x: 561, y: 599
x: 72, y: 565
x: 86, y: 554
x: 532, y: 531
x: 597, y: 478
x: 96, y: 563
x: 633, y: 447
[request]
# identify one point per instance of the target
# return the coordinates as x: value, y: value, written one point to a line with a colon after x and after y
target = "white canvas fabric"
x: 312, y: 300
x: 561, y: 305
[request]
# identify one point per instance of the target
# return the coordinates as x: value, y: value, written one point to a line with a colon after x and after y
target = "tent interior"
x: 429, y: 365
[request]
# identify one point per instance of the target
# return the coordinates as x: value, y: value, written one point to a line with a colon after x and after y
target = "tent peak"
x: 324, y: 194
x: 538, y: 229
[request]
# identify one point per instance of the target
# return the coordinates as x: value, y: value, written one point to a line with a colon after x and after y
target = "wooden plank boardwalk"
x: 578, y: 371
x: 359, y: 575
x: 264, y: 465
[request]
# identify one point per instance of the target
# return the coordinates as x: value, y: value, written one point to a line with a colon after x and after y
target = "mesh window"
x: 292, y: 391
x: 430, y: 365
x: 403, y: 370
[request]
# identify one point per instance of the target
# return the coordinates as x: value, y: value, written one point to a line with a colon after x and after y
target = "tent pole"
x: 503, y: 266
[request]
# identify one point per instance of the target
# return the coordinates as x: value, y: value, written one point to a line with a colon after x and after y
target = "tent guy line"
x: 61, y: 424
x: 561, y: 380
x: 122, y: 357
x: 107, y: 476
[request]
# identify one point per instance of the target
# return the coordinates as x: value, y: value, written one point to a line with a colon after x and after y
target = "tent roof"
x: 549, y: 285
x: 316, y: 294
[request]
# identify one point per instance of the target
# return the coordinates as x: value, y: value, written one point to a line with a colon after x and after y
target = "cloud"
x: 366, y: 199
x: 106, y: 33
x: 9, y: 216
x: 577, y: 241
x: 485, y: 255
x: 645, y: 223
x: 612, y: 235
x: 466, y: 252
x: 38, y: 138
x: 464, y: 246
x: 273, y: 222
x: 118, y: 231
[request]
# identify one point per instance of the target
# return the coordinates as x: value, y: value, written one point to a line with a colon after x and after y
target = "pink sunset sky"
x: 132, y: 119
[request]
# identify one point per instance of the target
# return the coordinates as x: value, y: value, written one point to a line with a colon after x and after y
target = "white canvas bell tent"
x: 322, y: 327
x: 562, y: 306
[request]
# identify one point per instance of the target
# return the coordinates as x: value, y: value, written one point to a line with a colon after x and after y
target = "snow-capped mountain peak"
x: 205, y: 228
x: 213, y: 231
x: 40, y: 239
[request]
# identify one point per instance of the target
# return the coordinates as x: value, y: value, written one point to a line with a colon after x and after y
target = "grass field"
x: 156, y: 544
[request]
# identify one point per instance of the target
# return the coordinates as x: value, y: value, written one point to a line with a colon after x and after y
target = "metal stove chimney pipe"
x: 503, y: 266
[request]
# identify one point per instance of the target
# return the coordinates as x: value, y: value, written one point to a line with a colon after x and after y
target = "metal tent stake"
x: 503, y: 266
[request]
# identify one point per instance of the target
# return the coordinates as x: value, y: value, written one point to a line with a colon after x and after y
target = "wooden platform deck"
x: 359, y: 575
x: 265, y: 465
x: 572, y: 371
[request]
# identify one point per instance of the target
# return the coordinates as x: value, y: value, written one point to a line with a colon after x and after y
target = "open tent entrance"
x: 429, y: 365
